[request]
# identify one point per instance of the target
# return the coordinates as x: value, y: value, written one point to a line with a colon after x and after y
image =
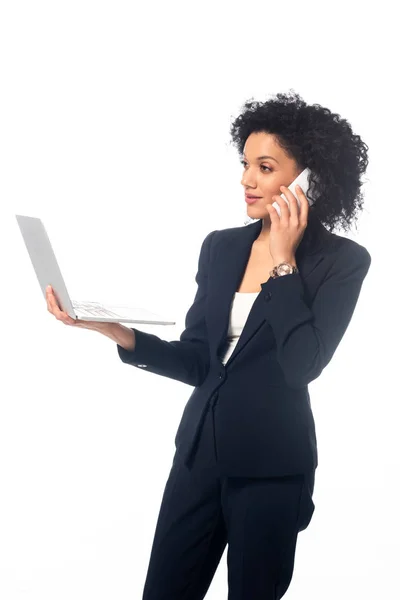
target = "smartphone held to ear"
x: 303, y: 181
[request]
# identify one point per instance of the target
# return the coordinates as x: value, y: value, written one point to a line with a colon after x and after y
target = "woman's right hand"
x: 54, y: 308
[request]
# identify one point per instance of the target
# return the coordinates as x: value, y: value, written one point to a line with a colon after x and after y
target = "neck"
x: 263, y: 236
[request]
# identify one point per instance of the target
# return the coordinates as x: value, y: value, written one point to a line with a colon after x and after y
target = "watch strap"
x: 274, y: 273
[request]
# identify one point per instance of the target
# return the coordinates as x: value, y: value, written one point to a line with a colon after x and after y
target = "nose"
x: 246, y: 183
x: 247, y: 180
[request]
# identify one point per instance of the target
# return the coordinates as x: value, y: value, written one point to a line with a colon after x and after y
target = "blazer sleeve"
x: 307, y: 336
x: 187, y: 359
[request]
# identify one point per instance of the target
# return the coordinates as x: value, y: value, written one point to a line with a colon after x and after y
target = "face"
x: 264, y: 176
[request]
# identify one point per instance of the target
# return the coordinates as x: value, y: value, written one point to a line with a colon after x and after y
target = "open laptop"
x: 48, y: 273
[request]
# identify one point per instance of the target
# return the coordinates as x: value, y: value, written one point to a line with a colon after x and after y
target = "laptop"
x: 48, y: 273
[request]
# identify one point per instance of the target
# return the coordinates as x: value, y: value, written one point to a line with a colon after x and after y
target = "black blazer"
x: 264, y: 421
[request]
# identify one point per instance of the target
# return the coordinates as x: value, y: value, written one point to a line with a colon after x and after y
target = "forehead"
x: 259, y: 143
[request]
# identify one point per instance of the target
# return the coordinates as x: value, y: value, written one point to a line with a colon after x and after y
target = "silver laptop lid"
x: 44, y: 260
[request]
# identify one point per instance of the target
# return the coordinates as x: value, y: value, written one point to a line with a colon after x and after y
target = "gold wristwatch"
x: 283, y: 269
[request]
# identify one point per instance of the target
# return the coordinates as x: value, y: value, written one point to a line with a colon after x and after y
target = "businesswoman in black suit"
x: 274, y: 299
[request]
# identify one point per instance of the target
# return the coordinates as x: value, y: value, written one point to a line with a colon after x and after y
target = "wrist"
x: 104, y: 327
x: 118, y: 333
x: 291, y: 260
x: 108, y: 329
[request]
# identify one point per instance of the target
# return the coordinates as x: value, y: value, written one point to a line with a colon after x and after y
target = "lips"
x: 251, y: 197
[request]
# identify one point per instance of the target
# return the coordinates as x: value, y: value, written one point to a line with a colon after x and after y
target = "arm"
x: 119, y: 334
x: 307, y: 337
x: 186, y: 359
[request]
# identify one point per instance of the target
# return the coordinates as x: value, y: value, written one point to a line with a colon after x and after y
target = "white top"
x: 241, y: 306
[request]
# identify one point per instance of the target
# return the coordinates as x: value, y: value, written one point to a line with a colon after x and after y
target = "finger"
x: 54, y: 308
x: 50, y: 305
x: 47, y: 298
x: 50, y: 302
x: 293, y: 204
x: 273, y: 213
x: 304, y: 205
x: 285, y: 212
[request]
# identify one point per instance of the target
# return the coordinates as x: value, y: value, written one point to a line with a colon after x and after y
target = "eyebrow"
x: 262, y: 157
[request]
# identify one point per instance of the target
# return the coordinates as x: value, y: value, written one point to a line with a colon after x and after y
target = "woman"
x: 274, y: 299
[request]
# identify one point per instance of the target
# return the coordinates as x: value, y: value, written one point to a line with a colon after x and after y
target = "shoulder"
x: 349, y: 249
x: 222, y: 235
x: 229, y: 233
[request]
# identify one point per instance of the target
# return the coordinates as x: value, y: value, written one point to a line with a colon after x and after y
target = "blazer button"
x: 142, y: 365
x: 268, y: 296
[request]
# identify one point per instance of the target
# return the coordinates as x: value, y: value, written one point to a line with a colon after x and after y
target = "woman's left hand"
x: 287, y: 230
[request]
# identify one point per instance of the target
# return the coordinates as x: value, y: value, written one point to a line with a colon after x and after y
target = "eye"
x: 243, y: 162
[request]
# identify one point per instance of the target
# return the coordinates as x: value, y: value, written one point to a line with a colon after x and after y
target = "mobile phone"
x: 303, y: 181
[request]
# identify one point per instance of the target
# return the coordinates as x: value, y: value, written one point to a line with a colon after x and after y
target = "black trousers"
x: 202, y: 512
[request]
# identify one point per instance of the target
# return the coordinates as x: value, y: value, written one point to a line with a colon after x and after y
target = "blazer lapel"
x: 228, y: 265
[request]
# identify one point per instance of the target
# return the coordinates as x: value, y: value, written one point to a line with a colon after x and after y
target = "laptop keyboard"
x: 93, y: 309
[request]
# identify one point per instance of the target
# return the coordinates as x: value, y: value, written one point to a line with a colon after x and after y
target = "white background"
x: 115, y: 132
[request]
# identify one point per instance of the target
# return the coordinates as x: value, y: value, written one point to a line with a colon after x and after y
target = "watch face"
x: 284, y: 269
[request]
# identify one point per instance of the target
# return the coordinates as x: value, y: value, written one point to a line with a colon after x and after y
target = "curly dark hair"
x: 318, y: 139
